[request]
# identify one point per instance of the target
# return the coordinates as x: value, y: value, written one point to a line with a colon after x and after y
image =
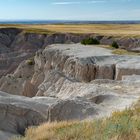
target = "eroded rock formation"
x: 62, y: 82
x: 58, y: 65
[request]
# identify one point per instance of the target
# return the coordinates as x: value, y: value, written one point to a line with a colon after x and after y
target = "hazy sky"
x: 70, y: 9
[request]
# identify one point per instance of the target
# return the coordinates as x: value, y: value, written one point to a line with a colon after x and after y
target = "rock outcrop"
x: 129, y: 67
x: 57, y: 65
x: 77, y: 63
x: 18, y: 113
x: 72, y: 109
x: 15, y: 83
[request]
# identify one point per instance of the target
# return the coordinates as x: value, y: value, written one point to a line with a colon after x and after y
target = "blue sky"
x: 70, y: 9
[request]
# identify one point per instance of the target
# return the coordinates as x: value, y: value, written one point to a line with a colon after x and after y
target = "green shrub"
x: 30, y: 62
x: 90, y: 41
x: 115, y: 45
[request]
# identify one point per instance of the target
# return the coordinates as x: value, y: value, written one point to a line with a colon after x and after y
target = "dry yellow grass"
x: 104, y: 29
x: 124, y: 52
x: 119, y: 51
x: 123, y: 125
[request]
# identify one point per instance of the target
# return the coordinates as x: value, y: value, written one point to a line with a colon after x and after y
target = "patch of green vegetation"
x: 122, y: 125
x: 90, y: 41
x: 115, y: 45
x: 30, y: 62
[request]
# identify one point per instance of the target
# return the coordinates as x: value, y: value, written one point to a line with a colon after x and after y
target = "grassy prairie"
x: 123, y: 125
x: 102, y: 29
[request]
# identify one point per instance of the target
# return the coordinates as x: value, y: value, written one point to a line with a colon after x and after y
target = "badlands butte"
x: 47, y: 75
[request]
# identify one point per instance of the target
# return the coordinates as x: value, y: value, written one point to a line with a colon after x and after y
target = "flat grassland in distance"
x: 102, y: 29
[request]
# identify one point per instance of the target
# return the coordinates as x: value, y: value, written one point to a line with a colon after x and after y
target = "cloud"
x: 65, y: 3
x: 97, y: 1
x: 78, y: 2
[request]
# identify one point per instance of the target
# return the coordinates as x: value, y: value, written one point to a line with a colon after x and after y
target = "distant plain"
x: 102, y: 29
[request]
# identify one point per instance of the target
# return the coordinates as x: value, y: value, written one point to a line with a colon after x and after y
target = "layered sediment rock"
x: 17, y: 45
x: 128, y: 67
x: 17, y: 113
x: 83, y: 64
x: 16, y: 82
x: 58, y: 65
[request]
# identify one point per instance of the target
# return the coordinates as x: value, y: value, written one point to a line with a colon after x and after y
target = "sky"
x: 70, y: 10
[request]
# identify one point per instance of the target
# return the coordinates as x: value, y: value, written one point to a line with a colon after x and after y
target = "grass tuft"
x: 90, y: 41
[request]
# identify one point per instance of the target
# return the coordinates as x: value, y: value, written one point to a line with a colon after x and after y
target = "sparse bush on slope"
x: 121, y: 126
x: 30, y: 62
x: 115, y: 45
x: 90, y: 41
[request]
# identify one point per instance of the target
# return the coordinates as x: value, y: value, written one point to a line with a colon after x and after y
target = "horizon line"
x: 65, y: 20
